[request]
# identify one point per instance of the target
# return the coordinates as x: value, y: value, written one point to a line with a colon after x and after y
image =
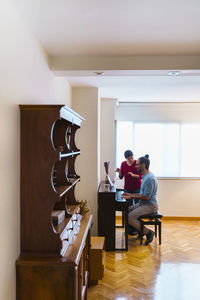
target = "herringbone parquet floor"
x: 170, y: 271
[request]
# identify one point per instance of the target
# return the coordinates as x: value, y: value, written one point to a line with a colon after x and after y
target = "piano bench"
x: 150, y: 219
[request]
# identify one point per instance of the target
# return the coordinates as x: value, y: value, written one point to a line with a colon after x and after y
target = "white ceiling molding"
x: 103, y: 63
x: 170, y: 104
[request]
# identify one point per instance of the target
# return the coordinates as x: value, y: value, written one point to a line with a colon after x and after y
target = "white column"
x: 108, y: 107
x: 85, y: 101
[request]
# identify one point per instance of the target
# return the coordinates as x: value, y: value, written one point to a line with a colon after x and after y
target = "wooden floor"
x: 170, y: 271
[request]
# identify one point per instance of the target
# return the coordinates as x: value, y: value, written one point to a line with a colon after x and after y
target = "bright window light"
x: 124, y: 140
x: 171, y: 146
x: 190, y: 150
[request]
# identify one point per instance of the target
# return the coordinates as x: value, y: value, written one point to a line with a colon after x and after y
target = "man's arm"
x: 147, y: 192
x: 135, y: 196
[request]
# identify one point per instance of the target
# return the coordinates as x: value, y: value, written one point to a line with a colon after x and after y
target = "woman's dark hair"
x: 145, y: 160
x: 128, y: 153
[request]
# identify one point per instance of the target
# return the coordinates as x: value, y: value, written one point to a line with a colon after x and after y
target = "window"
x: 190, y: 150
x: 123, y: 142
x: 171, y: 146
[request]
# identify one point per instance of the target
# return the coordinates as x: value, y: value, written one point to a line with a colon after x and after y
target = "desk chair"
x: 150, y: 219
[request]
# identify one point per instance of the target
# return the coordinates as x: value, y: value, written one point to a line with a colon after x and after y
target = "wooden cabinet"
x: 54, y: 259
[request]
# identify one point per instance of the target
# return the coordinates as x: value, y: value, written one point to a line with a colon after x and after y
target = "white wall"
x: 24, y: 78
x: 108, y: 136
x: 86, y: 102
x: 159, y: 112
x: 179, y: 197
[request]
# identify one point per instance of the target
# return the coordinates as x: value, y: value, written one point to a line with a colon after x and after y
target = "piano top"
x: 106, y: 188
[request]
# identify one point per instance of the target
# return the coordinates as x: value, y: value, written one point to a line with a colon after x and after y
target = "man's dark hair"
x: 128, y: 153
x: 145, y: 160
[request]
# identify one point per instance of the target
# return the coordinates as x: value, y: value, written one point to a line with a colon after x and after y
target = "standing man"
x: 147, y: 197
x: 132, y: 179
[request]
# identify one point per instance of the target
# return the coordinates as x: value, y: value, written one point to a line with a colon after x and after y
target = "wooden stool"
x: 150, y: 219
x: 96, y: 269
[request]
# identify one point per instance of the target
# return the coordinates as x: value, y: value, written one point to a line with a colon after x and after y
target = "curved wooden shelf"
x: 61, y: 227
x: 63, y: 136
x: 73, y: 209
x: 73, y: 153
x: 63, y: 189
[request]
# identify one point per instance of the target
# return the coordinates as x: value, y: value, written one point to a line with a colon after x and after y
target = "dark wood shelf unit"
x: 53, y: 261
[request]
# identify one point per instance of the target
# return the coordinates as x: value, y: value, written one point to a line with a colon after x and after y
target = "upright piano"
x: 109, y: 201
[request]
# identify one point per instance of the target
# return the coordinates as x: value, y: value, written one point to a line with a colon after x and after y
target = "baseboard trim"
x: 119, y: 218
x: 180, y: 218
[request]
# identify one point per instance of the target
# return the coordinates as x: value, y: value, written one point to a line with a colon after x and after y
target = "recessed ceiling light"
x: 174, y: 73
x: 99, y: 73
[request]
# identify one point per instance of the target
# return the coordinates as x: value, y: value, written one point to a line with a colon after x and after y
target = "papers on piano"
x: 109, y: 180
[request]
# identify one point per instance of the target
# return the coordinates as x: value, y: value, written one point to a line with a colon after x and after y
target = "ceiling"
x: 144, y: 88
x: 121, y: 28
x: 114, y: 27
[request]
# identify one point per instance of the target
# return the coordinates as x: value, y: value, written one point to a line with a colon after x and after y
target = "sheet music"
x: 110, y: 181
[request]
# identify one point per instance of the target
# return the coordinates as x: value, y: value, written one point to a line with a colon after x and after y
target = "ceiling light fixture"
x: 99, y: 73
x: 174, y: 73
